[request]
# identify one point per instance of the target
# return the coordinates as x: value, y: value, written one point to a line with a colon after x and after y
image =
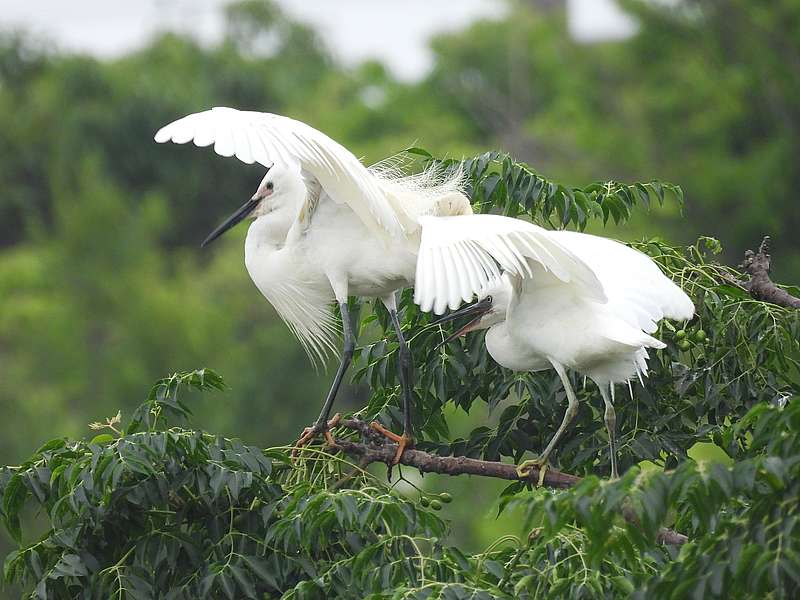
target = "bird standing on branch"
x: 592, y: 312
x: 325, y: 227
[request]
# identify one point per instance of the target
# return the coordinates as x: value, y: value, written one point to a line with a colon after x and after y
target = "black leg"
x: 348, y: 347
x: 406, y: 374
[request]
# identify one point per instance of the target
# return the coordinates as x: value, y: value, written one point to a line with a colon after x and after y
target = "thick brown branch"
x: 454, y: 465
x: 760, y: 286
x: 378, y: 450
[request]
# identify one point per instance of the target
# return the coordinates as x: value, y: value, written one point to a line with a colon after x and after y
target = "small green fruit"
x: 699, y: 335
x: 436, y: 505
x: 680, y: 334
x: 684, y: 345
x: 424, y: 501
x: 445, y: 497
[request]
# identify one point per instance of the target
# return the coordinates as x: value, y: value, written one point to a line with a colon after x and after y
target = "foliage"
x: 742, y: 100
x: 498, y: 183
x: 156, y: 509
x: 79, y: 172
x: 171, y: 512
x: 102, y: 282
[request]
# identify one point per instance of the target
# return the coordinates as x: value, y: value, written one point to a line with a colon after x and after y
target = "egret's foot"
x: 524, y: 468
x: 614, y: 472
x: 309, y: 433
x: 403, y: 441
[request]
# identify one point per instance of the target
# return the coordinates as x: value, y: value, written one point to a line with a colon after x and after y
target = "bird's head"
x: 490, y: 309
x: 279, y: 191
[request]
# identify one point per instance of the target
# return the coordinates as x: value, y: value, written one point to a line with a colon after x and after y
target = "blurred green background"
x: 103, y: 287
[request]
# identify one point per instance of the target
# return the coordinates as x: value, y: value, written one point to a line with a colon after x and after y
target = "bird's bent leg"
x: 572, y: 410
x: 610, y: 418
x: 405, y: 373
x: 323, y: 424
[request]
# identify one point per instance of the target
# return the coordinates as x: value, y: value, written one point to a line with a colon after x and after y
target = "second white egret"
x: 597, y: 320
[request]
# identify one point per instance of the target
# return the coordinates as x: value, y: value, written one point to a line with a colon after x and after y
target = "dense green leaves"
x: 170, y: 512
x: 99, y: 293
x: 498, y: 183
x: 155, y: 508
x: 175, y: 513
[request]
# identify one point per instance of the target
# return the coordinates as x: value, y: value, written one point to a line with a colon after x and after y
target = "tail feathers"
x: 637, y: 290
x: 621, y: 370
x: 451, y: 204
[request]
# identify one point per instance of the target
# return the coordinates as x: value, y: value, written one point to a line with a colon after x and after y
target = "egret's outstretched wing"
x: 638, y: 292
x: 459, y: 256
x: 267, y: 139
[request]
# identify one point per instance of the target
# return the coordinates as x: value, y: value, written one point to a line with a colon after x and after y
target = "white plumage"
x: 325, y: 227
x: 459, y: 257
x: 564, y: 300
x: 270, y: 139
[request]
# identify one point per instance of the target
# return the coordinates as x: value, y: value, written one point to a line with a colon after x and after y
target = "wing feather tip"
x: 162, y: 135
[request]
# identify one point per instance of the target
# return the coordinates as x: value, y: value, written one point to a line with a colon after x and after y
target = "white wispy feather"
x: 310, y: 319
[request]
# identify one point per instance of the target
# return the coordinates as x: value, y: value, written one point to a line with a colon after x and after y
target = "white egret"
x: 597, y: 323
x: 325, y: 227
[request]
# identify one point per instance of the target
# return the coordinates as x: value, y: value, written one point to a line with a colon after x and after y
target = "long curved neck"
x: 269, y: 230
x: 499, y: 344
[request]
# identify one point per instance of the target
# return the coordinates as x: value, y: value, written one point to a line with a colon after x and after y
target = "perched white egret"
x: 325, y: 227
x: 593, y: 313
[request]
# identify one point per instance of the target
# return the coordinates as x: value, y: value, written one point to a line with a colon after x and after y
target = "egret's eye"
x: 489, y: 299
x: 270, y: 185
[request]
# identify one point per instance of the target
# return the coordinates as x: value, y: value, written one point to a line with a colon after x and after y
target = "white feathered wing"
x: 461, y: 256
x: 637, y: 291
x: 267, y: 139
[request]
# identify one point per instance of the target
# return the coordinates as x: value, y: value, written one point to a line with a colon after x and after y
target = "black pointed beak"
x: 240, y: 214
x: 476, y: 311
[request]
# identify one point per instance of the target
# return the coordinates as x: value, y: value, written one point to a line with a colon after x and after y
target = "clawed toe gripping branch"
x: 375, y: 448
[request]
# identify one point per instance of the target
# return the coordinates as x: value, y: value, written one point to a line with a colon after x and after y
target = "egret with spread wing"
x: 325, y: 227
x: 593, y: 313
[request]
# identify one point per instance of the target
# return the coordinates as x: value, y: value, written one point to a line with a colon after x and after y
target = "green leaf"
x: 419, y: 152
x: 103, y: 438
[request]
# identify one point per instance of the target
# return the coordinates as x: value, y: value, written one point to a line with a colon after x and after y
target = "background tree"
x: 102, y: 286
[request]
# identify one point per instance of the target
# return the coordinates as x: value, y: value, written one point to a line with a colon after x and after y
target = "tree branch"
x: 378, y: 449
x: 760, y: 286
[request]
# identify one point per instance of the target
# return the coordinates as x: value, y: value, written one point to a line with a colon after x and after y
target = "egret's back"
x: 638, y: 292
x: 606, y: 341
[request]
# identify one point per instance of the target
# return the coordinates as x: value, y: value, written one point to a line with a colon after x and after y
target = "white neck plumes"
x: 300, y: 293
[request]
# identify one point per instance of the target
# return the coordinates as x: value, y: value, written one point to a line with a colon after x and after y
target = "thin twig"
x: 760, y: 286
